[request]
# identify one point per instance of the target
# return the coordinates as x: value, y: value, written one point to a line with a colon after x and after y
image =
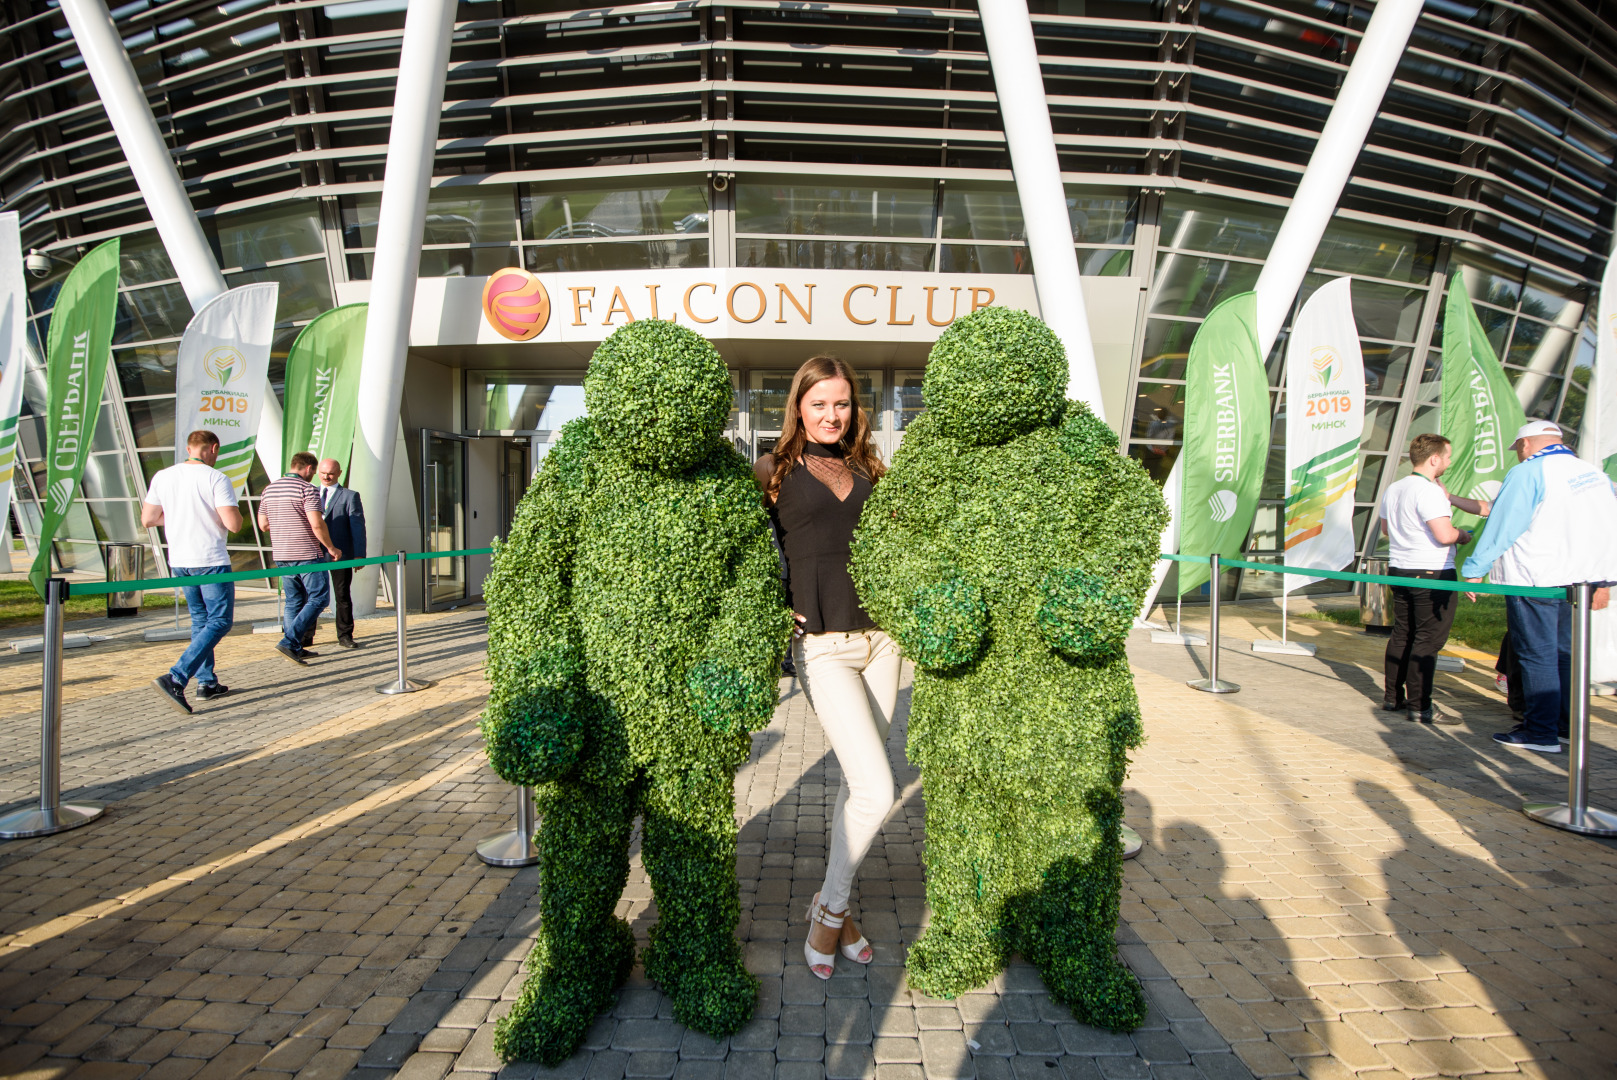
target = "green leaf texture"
x: 1006, y: 551
x: 636, y: 630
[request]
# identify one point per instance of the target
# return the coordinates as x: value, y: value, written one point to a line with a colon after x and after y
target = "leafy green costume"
x: 636, y: 629
x: 1007, y: 551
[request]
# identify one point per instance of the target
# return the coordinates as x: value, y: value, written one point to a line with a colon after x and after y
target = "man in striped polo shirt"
x: 289, y: 510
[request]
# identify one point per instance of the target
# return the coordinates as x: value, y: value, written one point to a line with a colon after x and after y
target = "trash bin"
x: 1375, y: 602
x: 125, y: 562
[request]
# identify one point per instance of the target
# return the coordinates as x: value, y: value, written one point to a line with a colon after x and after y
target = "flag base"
x: 1291, y: 648
x: 1168, y: 637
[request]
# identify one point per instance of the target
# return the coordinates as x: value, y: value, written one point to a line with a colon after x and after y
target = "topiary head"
x: 659, y: 394
x: 993, y: 375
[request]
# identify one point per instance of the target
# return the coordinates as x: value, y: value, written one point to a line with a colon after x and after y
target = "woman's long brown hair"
x: 857, y: 448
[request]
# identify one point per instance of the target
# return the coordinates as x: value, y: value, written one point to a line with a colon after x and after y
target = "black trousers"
x: 342, y: 600
x: 1421, y: 619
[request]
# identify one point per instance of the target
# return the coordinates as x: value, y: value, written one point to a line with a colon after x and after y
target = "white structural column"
x: 417, y: 103
x: 1331, y: 163
x: 1026, y: 114
x: 159, y: 181
x: 1314, y: 203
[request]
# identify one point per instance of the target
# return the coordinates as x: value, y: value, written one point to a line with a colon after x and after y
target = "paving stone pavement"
x: 301, y: 897
x: 119, y: 735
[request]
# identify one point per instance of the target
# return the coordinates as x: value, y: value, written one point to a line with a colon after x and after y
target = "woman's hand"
x: 802, y: 621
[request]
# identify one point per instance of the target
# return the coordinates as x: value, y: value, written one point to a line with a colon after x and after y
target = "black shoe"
x: 1435, y: 715
x: 299, y: 656
x: 1390, y: 706
x: 209, y: 691
x: 348, y: 643
x: 174, y: 692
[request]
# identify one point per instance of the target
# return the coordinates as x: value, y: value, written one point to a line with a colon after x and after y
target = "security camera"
x: 38, y: 263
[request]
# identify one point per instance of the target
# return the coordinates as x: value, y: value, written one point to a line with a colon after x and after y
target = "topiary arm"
x: 735, y: 683
x: 533, y: 726
x: 1088, y: 607
x: 903, y: 564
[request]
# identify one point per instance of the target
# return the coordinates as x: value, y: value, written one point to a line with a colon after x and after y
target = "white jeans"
x: 851, y: 680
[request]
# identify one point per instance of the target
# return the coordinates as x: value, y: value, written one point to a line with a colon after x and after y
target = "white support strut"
x: 1314, y: 202
x: 159, y: 181
x: 1008, y: 32
x: 1331, y: 163
x: 412, y: 140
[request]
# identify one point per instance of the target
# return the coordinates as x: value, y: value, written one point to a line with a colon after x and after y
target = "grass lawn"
x: 1480, y: 625
x: 20, y: 605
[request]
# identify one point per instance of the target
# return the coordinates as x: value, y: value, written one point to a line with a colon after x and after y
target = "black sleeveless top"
x: 815, y: 513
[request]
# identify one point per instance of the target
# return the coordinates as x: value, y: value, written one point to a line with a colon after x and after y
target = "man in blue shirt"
x: 1551, y: 526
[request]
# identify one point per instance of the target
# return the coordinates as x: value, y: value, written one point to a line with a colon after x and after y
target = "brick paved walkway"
x: 286, y: 886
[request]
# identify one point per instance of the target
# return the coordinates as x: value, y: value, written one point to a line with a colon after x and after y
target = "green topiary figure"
x: 636, y: 629
x: 1007, y: 551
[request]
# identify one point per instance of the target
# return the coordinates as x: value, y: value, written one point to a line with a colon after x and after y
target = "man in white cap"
x: 1552, y: 525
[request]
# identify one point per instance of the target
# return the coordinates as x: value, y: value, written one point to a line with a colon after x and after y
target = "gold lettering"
x: 929, y: 290
x: 975, y: 303
x: 619, y: 303
x: 892, y: 308
x: 700, y: 285
x: 653, y: 290
x: 786, y: 294
x: 730, y: 301
x: 579, y: 305
x: 847, y: 304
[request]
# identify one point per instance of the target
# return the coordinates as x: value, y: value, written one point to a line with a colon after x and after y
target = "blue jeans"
x: 213, y: 612
x: 1541, y: 635
x: 305, y: 597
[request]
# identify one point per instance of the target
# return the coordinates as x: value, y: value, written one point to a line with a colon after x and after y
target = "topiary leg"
x: 689, y: 848
x: 1070, y: 936
x: 584, y: 952
x: 961, y: 949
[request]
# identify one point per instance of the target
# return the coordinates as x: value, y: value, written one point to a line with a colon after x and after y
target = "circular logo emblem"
x: 223, y: 364
x: 515, y: 304
x: 1221, y: 504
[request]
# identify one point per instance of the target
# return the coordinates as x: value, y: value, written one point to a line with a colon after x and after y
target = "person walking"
x: 195, y: 504
x: 815, y: 483
x: 1552, y: 525
x: 289, y: 510
x: 1421, y: 538
x: 345, y: 517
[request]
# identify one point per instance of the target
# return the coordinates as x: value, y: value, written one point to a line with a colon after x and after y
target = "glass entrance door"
x: 443, y: 515
x: 513, y: 482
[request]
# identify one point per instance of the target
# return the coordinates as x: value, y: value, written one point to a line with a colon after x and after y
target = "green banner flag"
x: 322, y: 386
x: 1480, y: 411
x: 77, y: 348
x: 1226, y: 435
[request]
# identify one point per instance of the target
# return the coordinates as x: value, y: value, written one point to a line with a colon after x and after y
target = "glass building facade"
x: 835, y: 136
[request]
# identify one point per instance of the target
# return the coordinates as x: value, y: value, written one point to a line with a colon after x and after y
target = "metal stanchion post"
x: 1213, y: 684
x: 1576, y: 815
x: 403, y: 684
x: 52, y: 816
x: 514, y: 848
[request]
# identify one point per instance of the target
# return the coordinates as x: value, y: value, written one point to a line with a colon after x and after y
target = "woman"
x: 815, y: 484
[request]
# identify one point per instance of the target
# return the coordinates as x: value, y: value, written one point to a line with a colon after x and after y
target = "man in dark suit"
x: 345, y: 517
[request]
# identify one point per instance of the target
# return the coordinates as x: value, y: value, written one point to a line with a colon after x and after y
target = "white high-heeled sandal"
x: 859, y: 951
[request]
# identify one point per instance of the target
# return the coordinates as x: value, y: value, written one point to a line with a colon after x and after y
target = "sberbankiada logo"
x: 1326, y: 365
x: 516, y: 304
x: 224, y: 364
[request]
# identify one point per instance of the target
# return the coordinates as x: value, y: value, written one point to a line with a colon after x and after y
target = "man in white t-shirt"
x: 1415, y: 518
x: 196, y: 505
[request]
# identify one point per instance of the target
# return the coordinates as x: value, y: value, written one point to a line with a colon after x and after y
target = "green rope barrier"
x: 101, y: 588
x: 1379, y: 579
